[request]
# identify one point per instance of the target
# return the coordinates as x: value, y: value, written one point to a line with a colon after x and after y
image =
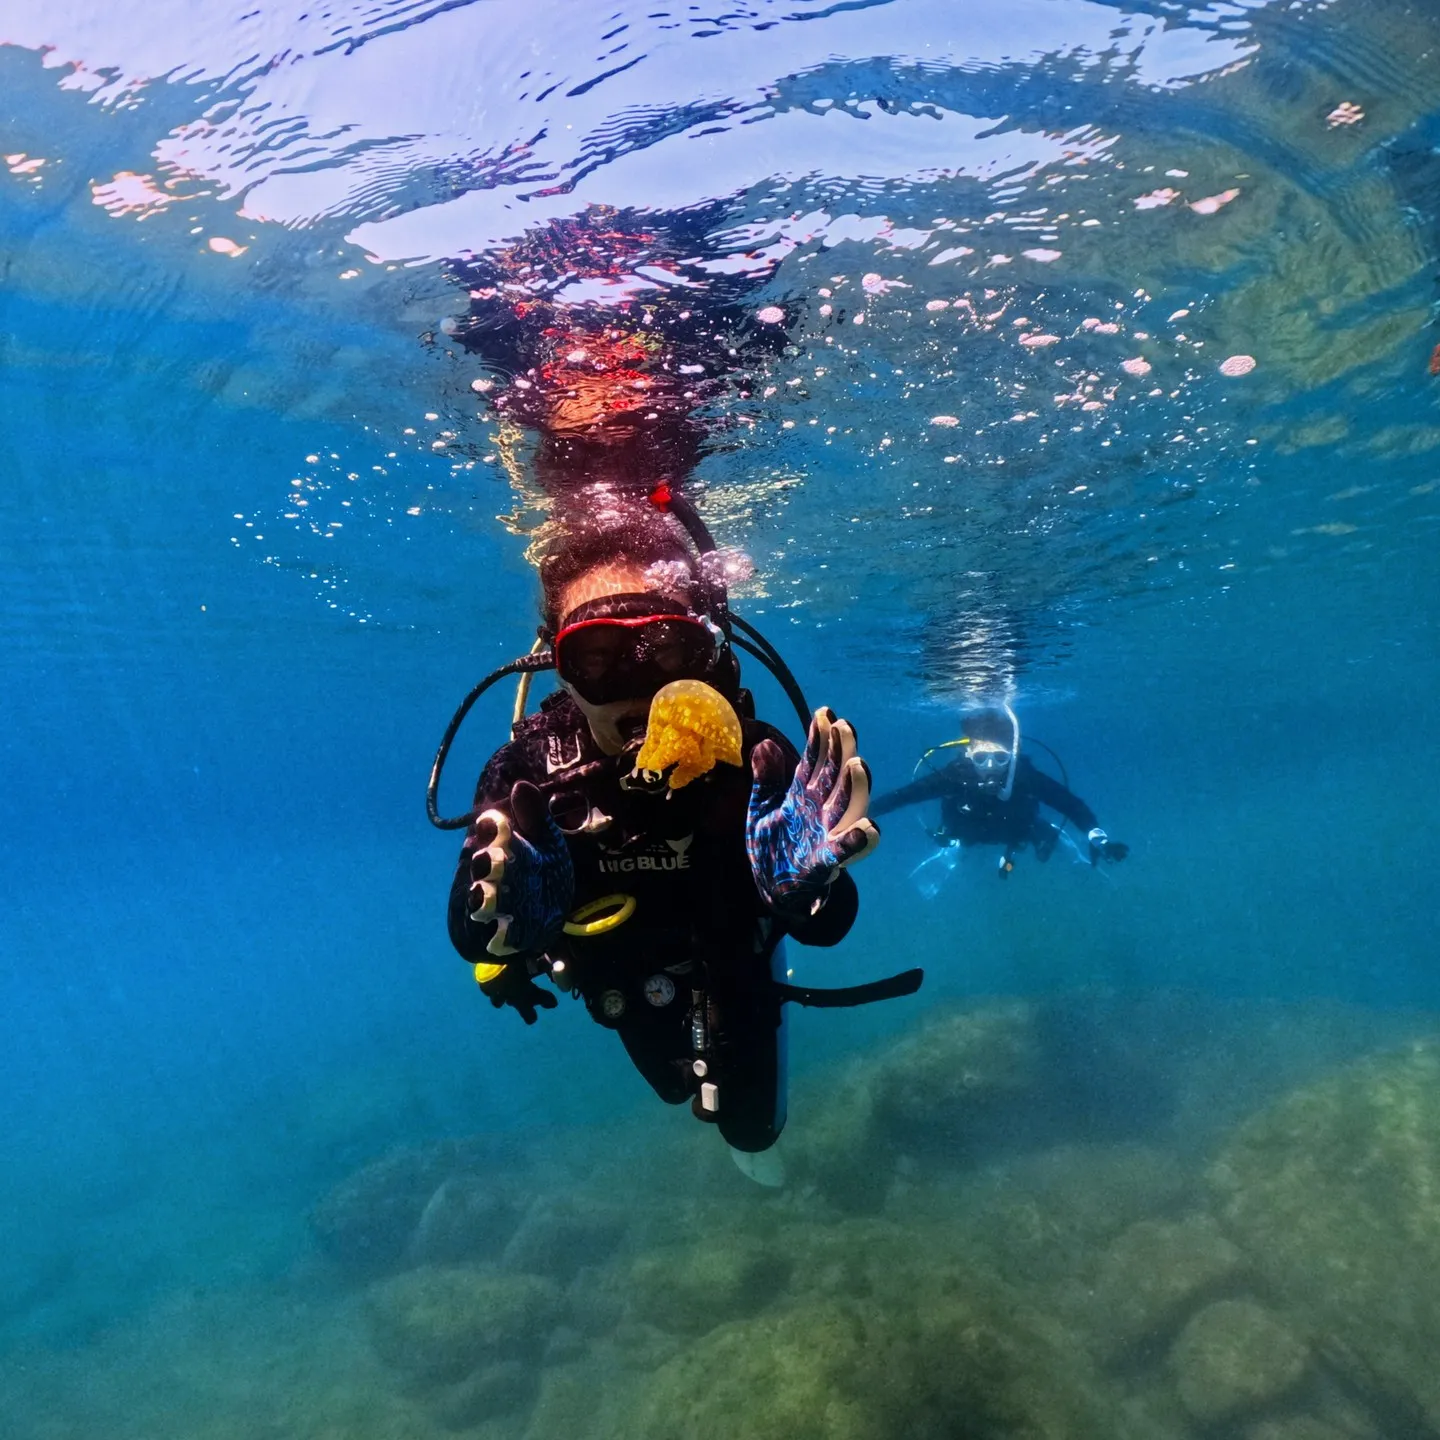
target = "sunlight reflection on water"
x: 1059, y: 282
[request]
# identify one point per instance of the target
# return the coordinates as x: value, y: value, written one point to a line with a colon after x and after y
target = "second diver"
x: 992, y: 794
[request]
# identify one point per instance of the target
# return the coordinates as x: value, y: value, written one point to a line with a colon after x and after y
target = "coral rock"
x: 464, y: 1219
x: 1235, y: 1357
x: 1154, y: 1274
x: 498, y: 1389
x: 560, y: 1235
x: 696, y: 1287
x: 1294, y: 1427
x: 446, y: 1324
x: 367, y: 1222
x: 939, y: 1361
x: 1334, y: 1193
x: 931, y: 1088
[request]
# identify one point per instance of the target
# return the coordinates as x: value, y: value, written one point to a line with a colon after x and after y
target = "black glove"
x: 514, y: 987
x: 1102, y: 847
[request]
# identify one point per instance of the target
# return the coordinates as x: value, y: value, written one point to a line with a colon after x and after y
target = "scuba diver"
x: 643, y: 841
x: 991, y: 794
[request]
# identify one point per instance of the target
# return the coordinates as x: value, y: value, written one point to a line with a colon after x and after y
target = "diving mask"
x: 990, y: 759
x: 627, y: 647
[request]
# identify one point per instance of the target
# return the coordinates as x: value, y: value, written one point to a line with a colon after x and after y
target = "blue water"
x: 226, y: 981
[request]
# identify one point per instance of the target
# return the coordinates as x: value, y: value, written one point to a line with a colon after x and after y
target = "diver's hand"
x: 1102, y: 847
x: 521, y: 880
x: 800, y: 835
x: 513, y: 986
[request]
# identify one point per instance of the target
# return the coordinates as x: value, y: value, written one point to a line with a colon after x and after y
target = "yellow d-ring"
x: 583, y: 921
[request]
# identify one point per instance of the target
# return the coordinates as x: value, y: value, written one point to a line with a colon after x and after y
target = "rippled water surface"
x: 1079, y: 352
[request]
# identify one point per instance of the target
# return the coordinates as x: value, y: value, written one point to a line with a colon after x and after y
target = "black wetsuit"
x: 699, y: 924
x: 973, y: 815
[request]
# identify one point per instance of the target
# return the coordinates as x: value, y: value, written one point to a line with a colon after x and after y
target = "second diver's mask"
x: 627, y: 647
x: 992, y: 759
x: 991, y: 762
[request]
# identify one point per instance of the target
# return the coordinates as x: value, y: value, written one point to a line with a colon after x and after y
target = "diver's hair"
x: 988, y: 723
x: 612, y: 527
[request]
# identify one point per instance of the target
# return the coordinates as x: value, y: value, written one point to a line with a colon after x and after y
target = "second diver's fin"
x: 931, y: 873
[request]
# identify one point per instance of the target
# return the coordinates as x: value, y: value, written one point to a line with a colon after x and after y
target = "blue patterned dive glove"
x: 803, y: 830
x: 522, y: 881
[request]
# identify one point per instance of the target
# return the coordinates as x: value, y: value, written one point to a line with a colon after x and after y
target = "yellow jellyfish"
x: 691, y: 726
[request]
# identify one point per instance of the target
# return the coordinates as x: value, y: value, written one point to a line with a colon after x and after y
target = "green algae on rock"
x: 1042, y: 1217
x: 1234, y: 1357
x: 972, y: 1361
x: 929, y: 1088
x: 465, y: 1219
x: 1154, y: 1274
x: 432, y: 1198
x: 1295, y: 1427
x: 697, y: 1286
x: 496, y: 1389
x: 366, y: 1221
x: 561, y: 1233
x: 1334, y: 1193
x: 444, y: 1324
